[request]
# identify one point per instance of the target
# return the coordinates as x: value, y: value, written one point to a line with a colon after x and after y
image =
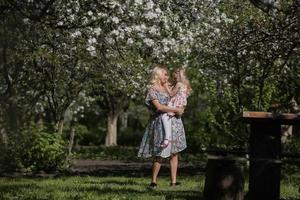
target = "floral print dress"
x: 180, y: 98
x: 154, y: 134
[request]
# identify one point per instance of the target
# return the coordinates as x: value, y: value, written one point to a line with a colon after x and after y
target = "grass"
x: 123, y: 187
x: 290, y: 183
x: 111, y: 188
x: 98, y: 188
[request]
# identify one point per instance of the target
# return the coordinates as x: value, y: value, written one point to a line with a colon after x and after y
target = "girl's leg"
x: 168, y: 129
x: 174, y: 165
x: 156, y: 168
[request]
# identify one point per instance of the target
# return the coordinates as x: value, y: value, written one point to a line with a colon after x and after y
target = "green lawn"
x: 97, y: 188
x: 110, y: 188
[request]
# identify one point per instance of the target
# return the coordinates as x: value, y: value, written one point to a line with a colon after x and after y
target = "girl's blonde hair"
x: 184, y: 79
x: 155, y: 74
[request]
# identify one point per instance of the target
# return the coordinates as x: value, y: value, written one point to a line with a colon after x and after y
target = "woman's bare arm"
x: 162, y: 108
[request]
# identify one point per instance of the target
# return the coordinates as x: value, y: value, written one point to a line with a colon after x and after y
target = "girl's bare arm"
x: 174, y: 89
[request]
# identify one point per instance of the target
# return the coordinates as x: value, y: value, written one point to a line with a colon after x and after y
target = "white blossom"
x: 115, y: 33
x: 92, y: 50
x: 149, y: 42
x: 25, y: 20
x: 130, y: 41
x: 60, y: 23
x: 166, y: 49
x: 158, y: 10
x: 76, y: 34
x: 92, y: 40
x: 149, y: 5
x: 97, y: 31
x: 114, y: 4
x: 153, y: 30
x: 138, y: 2
x: 72, y: 17
x: 116, y: 20
x: 128, y: 29
x: 101, y: 14
x: 150, y: 15
x: 110, y: 40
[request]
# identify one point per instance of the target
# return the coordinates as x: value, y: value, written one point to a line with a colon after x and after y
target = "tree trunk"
x: 124, y: 120
x: 289, y: 130
x: 111, y: 135
x: 60, y: 126
x: 71, y: 143
x: 71, y: 140
x: 4, y: 137
x: 40, y: 122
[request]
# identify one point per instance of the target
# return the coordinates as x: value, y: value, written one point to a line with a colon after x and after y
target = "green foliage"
x: 47, y: 152
x: 33, y: 149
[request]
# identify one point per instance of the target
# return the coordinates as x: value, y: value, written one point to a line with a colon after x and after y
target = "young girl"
x: 179, y: 94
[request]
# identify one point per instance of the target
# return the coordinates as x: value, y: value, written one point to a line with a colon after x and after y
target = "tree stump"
x: 224, y: 179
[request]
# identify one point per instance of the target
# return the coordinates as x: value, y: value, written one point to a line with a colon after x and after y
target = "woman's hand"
x: 179, y: 111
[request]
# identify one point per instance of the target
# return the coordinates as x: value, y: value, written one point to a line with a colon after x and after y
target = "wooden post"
x: 265, y: 152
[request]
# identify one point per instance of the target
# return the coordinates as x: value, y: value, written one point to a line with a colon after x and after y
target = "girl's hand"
x: 166, y: 84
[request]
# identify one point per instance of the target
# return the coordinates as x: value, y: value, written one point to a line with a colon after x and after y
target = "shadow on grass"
x: 121, y: 183
x: 25, y: 190
x: 168, y: 194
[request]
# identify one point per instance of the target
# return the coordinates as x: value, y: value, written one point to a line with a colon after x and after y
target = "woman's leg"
x: 174, y: 165
x: 156, y: 168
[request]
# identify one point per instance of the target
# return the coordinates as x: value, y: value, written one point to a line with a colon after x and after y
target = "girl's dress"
x: 154, y: 134
x: 178, y: 100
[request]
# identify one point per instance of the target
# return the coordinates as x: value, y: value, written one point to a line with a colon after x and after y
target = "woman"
x: 157, y: 99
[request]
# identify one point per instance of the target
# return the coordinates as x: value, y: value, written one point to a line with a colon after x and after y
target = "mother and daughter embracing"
x: 165, y: 136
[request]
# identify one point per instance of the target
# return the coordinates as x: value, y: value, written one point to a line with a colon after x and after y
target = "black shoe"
x: 152, y: 185
x: 175, y: 184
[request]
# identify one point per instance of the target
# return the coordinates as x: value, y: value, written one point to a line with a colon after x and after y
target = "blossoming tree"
x: 127, y: 38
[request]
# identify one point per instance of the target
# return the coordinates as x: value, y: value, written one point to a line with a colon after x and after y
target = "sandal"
x: 175, y: 184
x: 152, y: 185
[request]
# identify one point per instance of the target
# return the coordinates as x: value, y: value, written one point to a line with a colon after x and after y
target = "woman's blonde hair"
x: 155, y: 74
x: 184, y: 79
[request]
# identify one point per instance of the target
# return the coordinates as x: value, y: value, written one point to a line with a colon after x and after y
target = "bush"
x: 32, y: 149
x: 47, y: 152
